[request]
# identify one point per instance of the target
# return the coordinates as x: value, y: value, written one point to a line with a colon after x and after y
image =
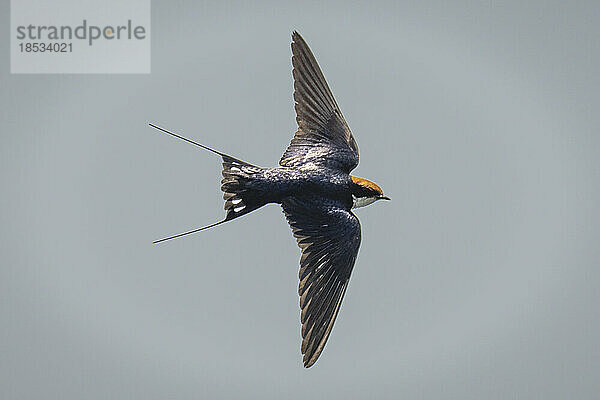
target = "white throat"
x: 358, y: 202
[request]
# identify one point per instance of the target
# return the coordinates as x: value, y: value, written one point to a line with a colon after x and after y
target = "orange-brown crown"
x: 371, y: 186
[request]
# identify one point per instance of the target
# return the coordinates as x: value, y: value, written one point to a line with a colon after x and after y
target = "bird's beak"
x: 383, y: 198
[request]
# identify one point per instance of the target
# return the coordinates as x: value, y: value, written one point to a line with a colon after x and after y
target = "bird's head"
x: 365, y: 192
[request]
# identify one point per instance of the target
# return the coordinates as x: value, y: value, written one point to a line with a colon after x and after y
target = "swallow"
x: 314, y: 187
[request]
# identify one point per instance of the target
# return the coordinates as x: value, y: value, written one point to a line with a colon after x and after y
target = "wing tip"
x: 309, y: 363
x: 298, y: 40
x: 311, y: 353
x: 311, y: 357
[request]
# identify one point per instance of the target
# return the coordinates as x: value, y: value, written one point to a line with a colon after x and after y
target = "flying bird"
x: 314, y: 187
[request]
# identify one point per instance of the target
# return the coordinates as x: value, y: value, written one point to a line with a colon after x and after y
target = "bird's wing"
x: 329, y: 236
x: 323, y: 137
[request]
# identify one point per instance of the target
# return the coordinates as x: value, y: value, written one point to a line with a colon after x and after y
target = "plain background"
x: 479, y: 280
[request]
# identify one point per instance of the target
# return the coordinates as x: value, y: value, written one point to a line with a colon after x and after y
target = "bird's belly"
x: 283, y: 182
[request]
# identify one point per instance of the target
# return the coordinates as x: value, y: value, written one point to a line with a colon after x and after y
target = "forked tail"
x: 239, y: 190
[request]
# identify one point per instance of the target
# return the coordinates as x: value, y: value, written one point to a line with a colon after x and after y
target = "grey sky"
x: 479, y: 279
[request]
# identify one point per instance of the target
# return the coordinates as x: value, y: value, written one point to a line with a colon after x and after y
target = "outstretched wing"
x: 329, y: 236
x: 323, y: 137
